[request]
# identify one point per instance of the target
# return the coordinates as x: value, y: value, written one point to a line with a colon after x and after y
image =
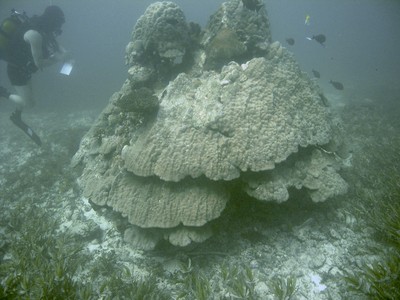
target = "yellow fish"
x: 307, y: 20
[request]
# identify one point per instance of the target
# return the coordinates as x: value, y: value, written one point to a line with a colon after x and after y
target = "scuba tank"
x: 13, y: 48
x: 9, y: 29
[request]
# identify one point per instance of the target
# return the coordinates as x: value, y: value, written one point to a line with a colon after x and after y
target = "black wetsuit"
x: 20, y: 63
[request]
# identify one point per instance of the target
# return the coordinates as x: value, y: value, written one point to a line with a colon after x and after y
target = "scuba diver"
x: 30, y: 47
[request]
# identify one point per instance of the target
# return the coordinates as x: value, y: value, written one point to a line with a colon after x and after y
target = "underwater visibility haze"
x: 238, y: 149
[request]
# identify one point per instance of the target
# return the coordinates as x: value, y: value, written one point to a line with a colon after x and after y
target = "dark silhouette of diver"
x: 30, y: 49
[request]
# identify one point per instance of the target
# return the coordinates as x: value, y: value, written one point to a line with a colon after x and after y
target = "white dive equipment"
x: 67, y: 67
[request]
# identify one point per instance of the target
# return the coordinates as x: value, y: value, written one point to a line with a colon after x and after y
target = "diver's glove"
x: 4, y: 93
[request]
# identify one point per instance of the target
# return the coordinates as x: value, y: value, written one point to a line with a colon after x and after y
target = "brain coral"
x: 165, y: 156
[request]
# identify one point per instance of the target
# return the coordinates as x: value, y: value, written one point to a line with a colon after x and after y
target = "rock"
x: 139, y: 75
x: 318, y: 260
x: 275, y: 50
x: 147, y: 239
x: 162, y: 30
x: 223, y: 48
x: 255, y: 122
x: 150, y: 202
x: 251, y: 28
x: 140, y: 239
x: 184, y: 236
x: 139, y: 100
x: 235, y: 33
x: 316, y: 173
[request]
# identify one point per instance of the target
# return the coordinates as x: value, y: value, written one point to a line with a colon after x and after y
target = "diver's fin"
x: 16, y: 119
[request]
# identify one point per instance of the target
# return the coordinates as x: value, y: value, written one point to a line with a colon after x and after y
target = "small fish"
x: 290, y: 41
x: 319, y: 38
x: 307, y: 20
x: 337, y: 85
x: 316, y: 73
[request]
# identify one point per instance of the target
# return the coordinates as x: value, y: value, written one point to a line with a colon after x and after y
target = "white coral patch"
x: 316, y: 279
x: 225, y: 82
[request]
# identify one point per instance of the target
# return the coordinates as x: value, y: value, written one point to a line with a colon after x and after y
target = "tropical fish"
x: 316, y: 73
x: 307, y: 20
x: 290, y: 41
x: 337, y: 85
x: 319, y: 38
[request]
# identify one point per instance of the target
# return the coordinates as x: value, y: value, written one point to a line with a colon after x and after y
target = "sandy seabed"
x: 313, y: 243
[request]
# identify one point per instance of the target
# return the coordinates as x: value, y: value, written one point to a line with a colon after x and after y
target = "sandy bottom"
x: 313, y: 243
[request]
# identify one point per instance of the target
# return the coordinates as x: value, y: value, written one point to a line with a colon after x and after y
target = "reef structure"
x: 166, y: 155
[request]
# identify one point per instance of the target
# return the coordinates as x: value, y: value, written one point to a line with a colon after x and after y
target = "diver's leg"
x: 23, y: 98
x: 20, y: 79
